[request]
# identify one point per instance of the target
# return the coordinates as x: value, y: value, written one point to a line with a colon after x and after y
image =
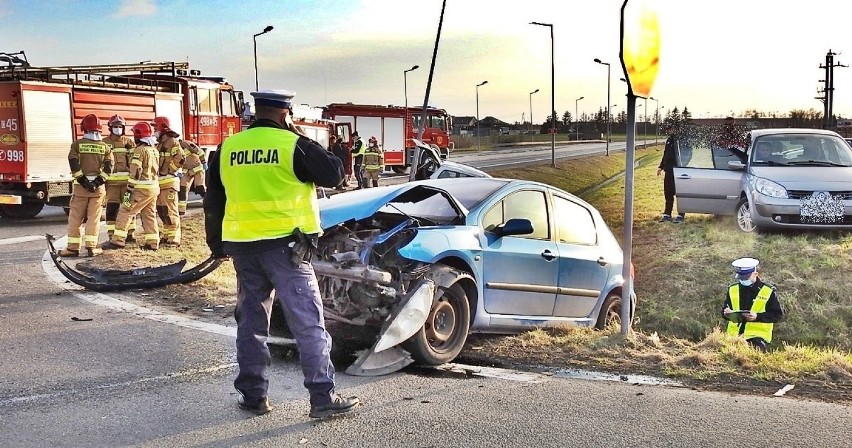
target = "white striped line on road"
x: 20, y: 239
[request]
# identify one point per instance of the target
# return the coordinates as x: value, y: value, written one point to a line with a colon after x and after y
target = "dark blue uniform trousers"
x: 257, y: 275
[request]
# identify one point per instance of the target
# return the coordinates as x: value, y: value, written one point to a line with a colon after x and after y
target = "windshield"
x: 801, y: 150
x: 434, y: 121
x: 431, y: 204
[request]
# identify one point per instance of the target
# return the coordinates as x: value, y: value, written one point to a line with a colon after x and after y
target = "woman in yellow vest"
x: 752, y: 307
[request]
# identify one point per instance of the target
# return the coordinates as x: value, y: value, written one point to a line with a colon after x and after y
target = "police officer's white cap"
x: 744, y: 267
x: 277, y: 98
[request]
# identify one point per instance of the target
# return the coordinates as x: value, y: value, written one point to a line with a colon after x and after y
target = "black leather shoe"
x: 338, y: 405
x: 259, y: 408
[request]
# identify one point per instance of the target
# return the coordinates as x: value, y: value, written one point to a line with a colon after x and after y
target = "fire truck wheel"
x: 398, y: 169
x: 27, y: 210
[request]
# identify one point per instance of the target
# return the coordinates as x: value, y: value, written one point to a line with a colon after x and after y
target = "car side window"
x: 493, y: 217
x: 574, y: 223
x: 532, y: 205
x: 721, y: 157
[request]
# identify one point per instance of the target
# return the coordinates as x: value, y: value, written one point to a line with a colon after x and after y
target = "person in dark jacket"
x: 341, y: 153
x: 667, y: 165
x: 751, y: 307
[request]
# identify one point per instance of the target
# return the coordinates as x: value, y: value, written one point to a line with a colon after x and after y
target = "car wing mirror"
x: 514, y: 226
x: 736, y: 165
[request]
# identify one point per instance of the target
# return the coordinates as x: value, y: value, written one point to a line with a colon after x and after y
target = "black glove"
x: 199, y: 190
x: 86, y: 183
x: 98, y: 181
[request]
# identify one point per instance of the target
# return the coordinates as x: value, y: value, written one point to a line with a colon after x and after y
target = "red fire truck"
x: 41, y: 109
x: 394, y: 127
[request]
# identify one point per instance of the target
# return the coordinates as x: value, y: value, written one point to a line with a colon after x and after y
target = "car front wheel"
x: 744, y: 221
x: 445, y: 332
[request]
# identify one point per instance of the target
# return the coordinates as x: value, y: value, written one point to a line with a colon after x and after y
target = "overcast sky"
x: 716, y: 57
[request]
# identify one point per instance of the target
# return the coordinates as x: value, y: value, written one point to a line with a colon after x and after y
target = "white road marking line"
x: 20, y: 239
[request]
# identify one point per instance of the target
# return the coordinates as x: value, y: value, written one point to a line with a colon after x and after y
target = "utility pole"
x: 828, y: 89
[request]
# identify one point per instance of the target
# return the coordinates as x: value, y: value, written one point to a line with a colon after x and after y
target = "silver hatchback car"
x: 788, y: 178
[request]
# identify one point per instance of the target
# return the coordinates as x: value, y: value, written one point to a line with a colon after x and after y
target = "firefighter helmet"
x: 116, y: 120
x: 162, y: 124
x: 91, y: 123
x: 142, y: 130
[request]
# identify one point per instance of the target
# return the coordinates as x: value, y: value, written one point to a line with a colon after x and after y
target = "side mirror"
x: 736, y: 165
x: 514, y: 226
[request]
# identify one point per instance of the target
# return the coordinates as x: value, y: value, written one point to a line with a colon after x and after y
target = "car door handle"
x: 684, y: 176
x: 602, y: 261
x: 548, y: 255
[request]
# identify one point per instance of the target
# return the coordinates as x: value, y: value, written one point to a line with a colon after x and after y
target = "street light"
x: 405, y: 80
x: 478, y: 137
x: 552, y: 94
x: 608, y: 119
x: 577, y: 116
x: 531, y: 122
x: 265, y: 30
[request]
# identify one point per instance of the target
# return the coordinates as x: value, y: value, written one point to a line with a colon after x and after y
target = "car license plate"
x: 821, y: 208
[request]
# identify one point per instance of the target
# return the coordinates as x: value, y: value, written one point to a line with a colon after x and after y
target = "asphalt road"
x: 81, y: 369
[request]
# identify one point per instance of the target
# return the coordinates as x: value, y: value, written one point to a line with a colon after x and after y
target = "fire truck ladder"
x: 144, y: 75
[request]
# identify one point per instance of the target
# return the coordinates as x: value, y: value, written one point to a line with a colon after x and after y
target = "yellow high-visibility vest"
x: 752, y: 329
x: 265, y: 200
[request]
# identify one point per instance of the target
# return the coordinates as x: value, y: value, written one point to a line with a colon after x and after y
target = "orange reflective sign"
x: 641, y: 45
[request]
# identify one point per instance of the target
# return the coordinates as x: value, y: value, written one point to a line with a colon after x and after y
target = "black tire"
x: 26, y: 210
x: 445, y: 332
x: 610, y: 312
x: 399, y: 169
x: 743, y: 216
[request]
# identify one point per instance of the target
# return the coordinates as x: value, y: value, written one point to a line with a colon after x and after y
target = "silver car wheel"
x: 744, y: 216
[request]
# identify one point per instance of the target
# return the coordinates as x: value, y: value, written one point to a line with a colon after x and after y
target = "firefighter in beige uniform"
x: 171, y: 168
x: 374, y: 163
x: 91, y: 163
x: 122, y: 148
x: 193, y: 173
x: 143, y: 187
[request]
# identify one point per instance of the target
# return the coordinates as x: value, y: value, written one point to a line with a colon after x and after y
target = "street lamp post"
x: 265, y: 30
x: 478, y: 137
x: 552, y: 94
x: 608, y: 115
x: 645, y: 125
x: 531, y: 122
x: 577, y: 116
x: 656, y: 119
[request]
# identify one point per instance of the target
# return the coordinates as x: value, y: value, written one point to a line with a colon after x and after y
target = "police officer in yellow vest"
x: 752, y: 307
x: 261, y: 196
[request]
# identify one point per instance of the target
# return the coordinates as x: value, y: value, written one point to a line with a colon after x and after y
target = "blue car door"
x: 520, y: 271
x: 583, y: 266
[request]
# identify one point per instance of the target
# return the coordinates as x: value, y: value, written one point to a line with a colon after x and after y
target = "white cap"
x: 277, y: 98
x: 744, y: 267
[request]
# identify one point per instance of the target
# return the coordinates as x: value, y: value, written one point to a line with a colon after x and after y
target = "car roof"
x: 761, y: 132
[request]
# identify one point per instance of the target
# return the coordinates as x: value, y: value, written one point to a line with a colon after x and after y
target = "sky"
x: 717, y: 57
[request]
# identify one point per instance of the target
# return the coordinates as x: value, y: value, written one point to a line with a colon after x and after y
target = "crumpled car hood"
x: 364, y: 203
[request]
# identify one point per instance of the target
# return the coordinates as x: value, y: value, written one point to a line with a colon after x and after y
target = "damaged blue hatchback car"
x: 416, y: 267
